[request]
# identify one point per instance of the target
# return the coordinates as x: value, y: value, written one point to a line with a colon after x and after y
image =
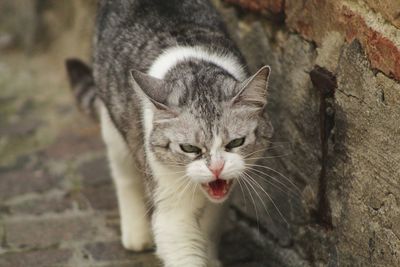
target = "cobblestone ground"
x: 57, y: 203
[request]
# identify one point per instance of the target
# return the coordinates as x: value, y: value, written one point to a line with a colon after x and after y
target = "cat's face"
x: 211, y: 142
x: 214, y: 154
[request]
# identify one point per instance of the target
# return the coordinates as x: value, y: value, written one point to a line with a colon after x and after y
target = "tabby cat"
x: 180, y: 116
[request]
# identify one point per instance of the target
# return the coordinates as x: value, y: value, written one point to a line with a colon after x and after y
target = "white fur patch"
x: 135, y: 226
x: 172, y: 56
x: 178, y: 236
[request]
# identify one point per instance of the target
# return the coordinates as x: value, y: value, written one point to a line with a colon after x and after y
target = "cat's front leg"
x: 179, y: 240
x: 135, y: 225
x: 211, y: 225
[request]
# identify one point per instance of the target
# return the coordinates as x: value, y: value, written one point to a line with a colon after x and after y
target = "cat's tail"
x: 83, y: 87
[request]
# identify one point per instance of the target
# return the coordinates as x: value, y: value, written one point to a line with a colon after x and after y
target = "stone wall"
x: 335, y: 96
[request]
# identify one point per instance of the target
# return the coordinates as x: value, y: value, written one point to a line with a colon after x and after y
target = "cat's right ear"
x: 151, y: 88
x: 253, y: 91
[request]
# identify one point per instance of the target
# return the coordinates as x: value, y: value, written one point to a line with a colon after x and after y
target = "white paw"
x: 137, y: 239
x: 215, y: 263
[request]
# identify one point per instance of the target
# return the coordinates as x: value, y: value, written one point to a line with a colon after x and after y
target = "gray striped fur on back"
x: 131, y: 35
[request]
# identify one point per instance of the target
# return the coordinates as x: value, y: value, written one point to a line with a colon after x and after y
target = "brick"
x: 113, y: 223
x: 382, y: 52
x: 19, y: 182
x: 113, y: 251
x: 41, y: 258
x: 274, y: 6
x: 101, y: 197
x: 98, y: 189
x: 75, y: 141
x: 95, y: 172
x: 40, y: 206
x: 315, y: 19
x: 56, y: 204
x: 43, y: 232
x: 21, y: 128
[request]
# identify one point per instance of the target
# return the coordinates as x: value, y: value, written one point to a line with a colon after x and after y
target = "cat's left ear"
x: 253, y: 91
x: 151, y: 88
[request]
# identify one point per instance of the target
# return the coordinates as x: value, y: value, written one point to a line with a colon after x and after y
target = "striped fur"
x: 168, y: 74
x: 83, y: 87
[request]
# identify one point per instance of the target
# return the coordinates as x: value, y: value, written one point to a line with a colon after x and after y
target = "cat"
x: 180, y: 114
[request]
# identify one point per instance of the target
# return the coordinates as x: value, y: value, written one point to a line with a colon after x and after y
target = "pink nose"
x: 216, y: 167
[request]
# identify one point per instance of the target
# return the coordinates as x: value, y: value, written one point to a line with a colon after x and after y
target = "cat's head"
x: 206, y: 129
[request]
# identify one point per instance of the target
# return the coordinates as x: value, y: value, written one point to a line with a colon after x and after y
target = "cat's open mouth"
x: 218, y: 189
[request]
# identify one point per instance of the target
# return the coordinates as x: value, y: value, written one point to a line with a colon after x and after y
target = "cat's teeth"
x: 211, y: 191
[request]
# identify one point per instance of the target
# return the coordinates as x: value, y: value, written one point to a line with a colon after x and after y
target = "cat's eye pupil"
x: 190, y: 149
x: 235, y: 143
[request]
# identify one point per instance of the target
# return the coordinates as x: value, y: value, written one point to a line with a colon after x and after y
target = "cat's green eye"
x: 190, y: 149
x: 235, y: 143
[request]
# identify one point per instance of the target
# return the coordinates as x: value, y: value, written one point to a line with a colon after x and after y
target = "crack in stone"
x: 325, y: 82
x: 353, y: 96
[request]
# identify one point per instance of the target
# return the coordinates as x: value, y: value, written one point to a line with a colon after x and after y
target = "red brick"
x: 316, y: 18
x: 382, y: 52
x: 312, y: 19
x: 274, y: 6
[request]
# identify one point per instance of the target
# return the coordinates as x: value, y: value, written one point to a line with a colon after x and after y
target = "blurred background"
x: 332, y: 173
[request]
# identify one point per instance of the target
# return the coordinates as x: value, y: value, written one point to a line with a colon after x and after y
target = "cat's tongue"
x: 218, y: 188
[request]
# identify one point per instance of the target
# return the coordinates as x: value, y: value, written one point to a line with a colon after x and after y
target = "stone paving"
x: 57, y: 203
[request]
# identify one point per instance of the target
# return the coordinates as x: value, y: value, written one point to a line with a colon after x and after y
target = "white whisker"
x: 296, y: 192
x: 262, y: 202
x: 273, y: 202
x: 268, y: 168
x: 243, y: 196
x: 254, y: 203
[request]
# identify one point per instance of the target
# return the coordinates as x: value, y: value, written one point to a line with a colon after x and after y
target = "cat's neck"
x: 178, y: 54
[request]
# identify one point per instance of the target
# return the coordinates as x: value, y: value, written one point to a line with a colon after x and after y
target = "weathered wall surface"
x: 335, y: 96
x: 333, y: 193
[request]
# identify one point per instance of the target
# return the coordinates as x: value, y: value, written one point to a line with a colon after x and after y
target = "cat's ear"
x: 150, y: 88
x: 253, y: 91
